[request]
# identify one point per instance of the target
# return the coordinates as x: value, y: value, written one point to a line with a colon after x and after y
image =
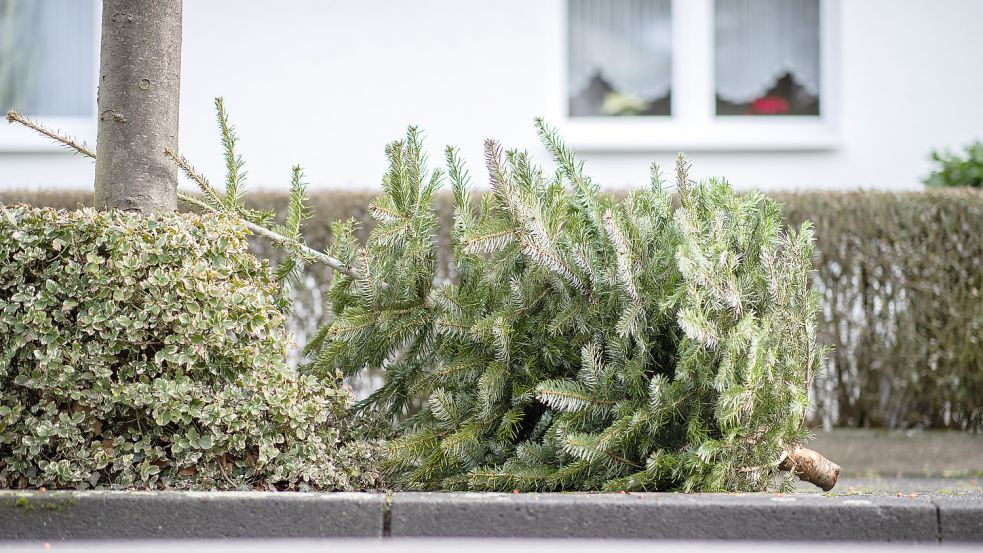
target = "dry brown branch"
x: 65, y: 140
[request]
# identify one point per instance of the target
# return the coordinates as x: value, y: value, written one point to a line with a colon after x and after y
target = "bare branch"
x: 65, y: 140
x: 189, y: 171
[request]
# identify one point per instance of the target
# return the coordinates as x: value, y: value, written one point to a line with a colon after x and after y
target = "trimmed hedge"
x: 148, y: 351
x: 902, y: 279
x: 901, y: 276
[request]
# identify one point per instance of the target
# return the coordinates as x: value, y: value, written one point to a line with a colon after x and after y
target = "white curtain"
x: 758, y: 41
x: 627, y: 42
x: 47, y: 56
x: 19, y: 54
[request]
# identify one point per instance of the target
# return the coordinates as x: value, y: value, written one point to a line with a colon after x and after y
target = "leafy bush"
x: 148, y: 351
x: 956, y: 170
x: 588, y: 343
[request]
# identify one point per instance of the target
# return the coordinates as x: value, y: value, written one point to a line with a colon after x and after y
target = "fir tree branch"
x: 297, y: 210
x: 682, y: 178
x: 65, y: 140
x: 235, y: 175
x: 623, y: 254
x: 549, y: 260
x: 276, y: 237
x: 460, y: 180
x: 586, y: 190
x: 384, y: 214
x: 487, y: 243
x: 216, y: 201
x: 587, y: 449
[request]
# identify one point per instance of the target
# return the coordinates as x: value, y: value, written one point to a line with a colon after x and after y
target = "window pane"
x: 47, y: 57
x: 767, y: 57
x: 619, y: 57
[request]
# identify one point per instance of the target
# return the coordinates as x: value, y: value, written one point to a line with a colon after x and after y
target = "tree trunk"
x: 811, y: 467
x: 139, y: 93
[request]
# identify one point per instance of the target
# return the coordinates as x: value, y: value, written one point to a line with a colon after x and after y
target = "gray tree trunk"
x: 139, y: 95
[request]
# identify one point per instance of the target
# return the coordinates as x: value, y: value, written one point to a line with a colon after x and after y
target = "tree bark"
x: 139, y: 95
x: 811, y: 467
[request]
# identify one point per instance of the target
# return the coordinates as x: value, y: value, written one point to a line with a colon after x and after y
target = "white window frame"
x: 693, y: 124
x: 15, y: 138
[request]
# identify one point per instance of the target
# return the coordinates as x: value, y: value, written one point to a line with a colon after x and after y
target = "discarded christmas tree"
x: 586, y: 343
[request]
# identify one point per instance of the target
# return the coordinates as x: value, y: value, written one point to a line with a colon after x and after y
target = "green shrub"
x: 956, y: 170
x: 148, y: 351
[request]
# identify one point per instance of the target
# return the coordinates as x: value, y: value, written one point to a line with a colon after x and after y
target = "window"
x: 620, y: 57
x: 664, y: 75
x: 47, y: 57
x: 766, y: 55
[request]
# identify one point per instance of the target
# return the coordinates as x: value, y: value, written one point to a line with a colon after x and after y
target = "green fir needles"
x: 587, y: 343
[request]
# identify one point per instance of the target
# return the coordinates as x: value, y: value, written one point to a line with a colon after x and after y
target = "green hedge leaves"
x: 148, y: 351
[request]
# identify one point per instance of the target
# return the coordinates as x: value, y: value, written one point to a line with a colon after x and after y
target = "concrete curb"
x: 188, y: 515
x: 960, y: 518
x: 103, y: 515
x: 665, y: 516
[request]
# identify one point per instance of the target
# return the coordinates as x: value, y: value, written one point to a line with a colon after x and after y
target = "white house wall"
x: 328, y: 83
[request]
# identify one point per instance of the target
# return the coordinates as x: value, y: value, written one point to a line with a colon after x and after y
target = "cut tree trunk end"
x: 811, y: 467
x: 139, y: 89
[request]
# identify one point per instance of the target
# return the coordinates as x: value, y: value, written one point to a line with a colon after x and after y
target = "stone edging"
x: 55, y: 516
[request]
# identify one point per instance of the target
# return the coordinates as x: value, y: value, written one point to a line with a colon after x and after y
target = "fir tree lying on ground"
x: 587, y: 344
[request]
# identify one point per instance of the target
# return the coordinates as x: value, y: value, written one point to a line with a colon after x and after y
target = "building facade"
x: 774, y: 94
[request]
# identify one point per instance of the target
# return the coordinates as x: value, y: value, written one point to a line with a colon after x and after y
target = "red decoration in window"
x: 770, y: 105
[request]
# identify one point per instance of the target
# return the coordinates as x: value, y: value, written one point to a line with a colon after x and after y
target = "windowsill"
x: 15, y: 138
x: 723, y: 134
